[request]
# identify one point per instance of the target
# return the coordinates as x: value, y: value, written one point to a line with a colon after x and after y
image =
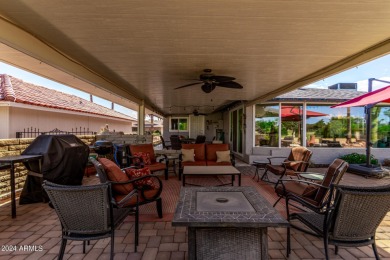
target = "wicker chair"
x: 309, y: 194
x: 350, y: 221
x: 123, y: 185
x: 297, y: 161
x: 88, y: 213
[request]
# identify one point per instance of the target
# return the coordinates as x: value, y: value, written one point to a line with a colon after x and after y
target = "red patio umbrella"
x: 369, y: 100
x: 291, y: 113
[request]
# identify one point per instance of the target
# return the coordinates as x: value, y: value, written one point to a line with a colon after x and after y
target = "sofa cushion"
x: 211, y: 150
x: 145, y: 183
x: 214, y: 163
x: 196, y: 163
x: 114, y: 173
x: 223, y: 156
x: 199, y: 150
x: 188, y: 155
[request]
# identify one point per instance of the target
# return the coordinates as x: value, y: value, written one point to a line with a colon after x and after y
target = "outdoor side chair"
x: 297, y: 161
x: 350, y: 220
x: 309, y: 194
x: 122, y: 185
x: 88, y: 213
x: 165, y: 143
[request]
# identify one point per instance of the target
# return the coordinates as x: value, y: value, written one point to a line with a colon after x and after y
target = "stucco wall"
x: 22, y: 118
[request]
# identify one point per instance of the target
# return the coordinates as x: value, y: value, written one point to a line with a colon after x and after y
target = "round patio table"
x: 260, y: 165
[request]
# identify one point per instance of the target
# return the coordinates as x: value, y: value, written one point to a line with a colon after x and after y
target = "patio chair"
x: 142, y: 155
x: 164, y: 144
x: 88, y: 213
x: 297, y: 161
x: 149, y: 187
x: 310, y: 194
x: 175, y: 142
x: 350, y: 221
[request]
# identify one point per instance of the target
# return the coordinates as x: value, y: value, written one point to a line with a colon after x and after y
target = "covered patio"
x: 141, y: 54
x: 36, y: 232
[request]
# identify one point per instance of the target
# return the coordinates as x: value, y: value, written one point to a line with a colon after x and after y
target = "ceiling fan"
x: 211, y: 81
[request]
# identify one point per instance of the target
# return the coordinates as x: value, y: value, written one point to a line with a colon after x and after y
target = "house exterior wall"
x: 21, y: 118
x: 4, y: 119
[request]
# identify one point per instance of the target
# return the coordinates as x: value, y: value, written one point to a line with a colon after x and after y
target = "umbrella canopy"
x: 368, y: 100
x: 377, y: 96
x: 291, y: 113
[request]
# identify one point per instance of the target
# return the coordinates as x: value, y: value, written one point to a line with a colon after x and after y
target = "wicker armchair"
x: 309, y: 194
x: 297, y: 161
x: 108, y: 171
x: 88, y: 213
x: 350, y: 221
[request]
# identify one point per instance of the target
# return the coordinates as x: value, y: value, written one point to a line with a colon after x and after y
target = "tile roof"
x: 318, y: 95
x: 16, y: 90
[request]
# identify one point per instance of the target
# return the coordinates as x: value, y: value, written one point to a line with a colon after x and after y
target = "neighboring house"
x: 24, y: 105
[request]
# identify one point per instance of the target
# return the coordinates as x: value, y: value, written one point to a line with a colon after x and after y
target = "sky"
x: 378, y: 68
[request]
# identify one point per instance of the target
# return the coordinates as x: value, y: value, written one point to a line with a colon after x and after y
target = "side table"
x: 312, y: 176
x: 260, y: 165
x: 11, y: 160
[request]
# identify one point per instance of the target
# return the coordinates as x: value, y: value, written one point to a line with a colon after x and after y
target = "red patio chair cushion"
x: 114, y: 173
x: 145, y: 157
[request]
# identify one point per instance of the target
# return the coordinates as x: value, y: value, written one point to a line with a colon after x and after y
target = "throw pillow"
x: 188, y: 155
x: 223, y: 156
x: 145, y: 183
x: 145, y: 157
x: 114, y: 173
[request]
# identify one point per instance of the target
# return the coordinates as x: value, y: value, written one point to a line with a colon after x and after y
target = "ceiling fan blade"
x: 221, y: 78
x: 229, y: 84
x: 191, y: 84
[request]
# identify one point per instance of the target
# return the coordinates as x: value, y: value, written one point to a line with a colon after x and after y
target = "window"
x: 178, y: 124
x: 267, y: 125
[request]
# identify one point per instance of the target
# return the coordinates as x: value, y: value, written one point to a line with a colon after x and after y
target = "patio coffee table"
x: 211, y: 171
x: 226, y: 222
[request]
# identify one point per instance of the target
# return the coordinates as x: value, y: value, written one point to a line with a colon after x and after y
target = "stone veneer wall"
x: 16, y: 147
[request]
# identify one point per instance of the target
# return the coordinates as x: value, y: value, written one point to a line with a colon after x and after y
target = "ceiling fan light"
x: 207, y: 87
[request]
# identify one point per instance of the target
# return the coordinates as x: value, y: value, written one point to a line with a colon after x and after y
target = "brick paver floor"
x: 35, y: 234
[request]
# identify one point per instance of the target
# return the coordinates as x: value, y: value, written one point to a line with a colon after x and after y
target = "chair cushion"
x: 114, y: 173
x: 275, y: 169
x: 199, y: 150
x: 145, y: 157
x: 145, y: 183
x: 211, y: 150
x: 303, y: 190
x: 144, y: 196
x: 188, y: 155
x: 223, y: 156
x: 157, y: 167
x: 146, y: 148
x: 298, y: 154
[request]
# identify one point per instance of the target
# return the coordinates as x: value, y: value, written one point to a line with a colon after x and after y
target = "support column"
x: 141, y: 118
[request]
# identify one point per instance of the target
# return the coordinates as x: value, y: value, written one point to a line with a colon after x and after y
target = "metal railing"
x: 34, y: 132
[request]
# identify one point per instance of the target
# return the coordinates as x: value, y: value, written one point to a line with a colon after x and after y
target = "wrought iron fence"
x: 34, y: 132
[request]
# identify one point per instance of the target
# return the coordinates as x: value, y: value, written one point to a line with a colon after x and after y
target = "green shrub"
x: 355, y: 158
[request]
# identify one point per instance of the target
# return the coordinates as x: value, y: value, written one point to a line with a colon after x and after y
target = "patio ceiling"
x: 142, y: 50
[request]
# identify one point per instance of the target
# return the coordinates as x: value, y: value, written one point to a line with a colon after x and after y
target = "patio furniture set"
x: 223, y: 222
